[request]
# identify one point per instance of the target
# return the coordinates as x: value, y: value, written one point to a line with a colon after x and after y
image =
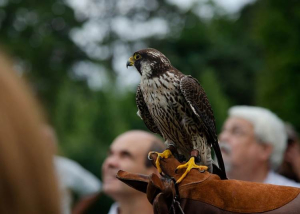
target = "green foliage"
x: 90, y: 120
x: 251, y: 59
x: 278, y: 79
x: 217, y: 98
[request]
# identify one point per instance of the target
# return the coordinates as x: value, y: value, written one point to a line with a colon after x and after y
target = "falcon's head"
x: 149, y: 62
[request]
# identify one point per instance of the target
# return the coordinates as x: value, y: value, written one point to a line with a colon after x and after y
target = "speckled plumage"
x: 176, y: 107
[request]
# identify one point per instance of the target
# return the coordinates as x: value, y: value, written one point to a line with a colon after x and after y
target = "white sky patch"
x: 127, y: 78
x: 3, y: 2
x: 230, y: 6
x: 94, y: 74
x: 92, y: 31
x: 89, y: 38
x: 98, y: 52
x: 93, y: 9
x: 233, y: 6
x: 76, y: 4
x: 132, y: 30
x: 205, y: 11
x: 87, y: 8
x: 183, y: 4
x: 124, y: 6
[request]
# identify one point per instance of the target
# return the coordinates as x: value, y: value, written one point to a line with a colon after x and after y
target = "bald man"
x: 128, y: 152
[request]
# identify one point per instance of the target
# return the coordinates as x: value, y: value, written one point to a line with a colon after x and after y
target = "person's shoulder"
x: 67, y: 166
x: 277, y: 179
x: 114, y: 208
x: 62, y: 159
x: 74, y: 176
x: 65, y: 162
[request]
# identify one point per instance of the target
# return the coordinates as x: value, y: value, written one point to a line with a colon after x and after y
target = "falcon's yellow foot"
x: 189, y: 165
x: 167, y: 153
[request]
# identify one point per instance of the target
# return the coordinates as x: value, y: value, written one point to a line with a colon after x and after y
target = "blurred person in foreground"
x: 72, y: 177
x: 129, y: 152
x: 253, y: 141
x: 290, y: 166
x: 27, y: 178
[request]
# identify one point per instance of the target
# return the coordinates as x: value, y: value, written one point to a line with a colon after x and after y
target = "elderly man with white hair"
x: 253, y: 141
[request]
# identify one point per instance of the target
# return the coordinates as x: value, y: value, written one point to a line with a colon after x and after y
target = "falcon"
x: 176, y: 107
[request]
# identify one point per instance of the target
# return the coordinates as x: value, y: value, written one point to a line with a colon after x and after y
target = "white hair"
x: 268, y: 128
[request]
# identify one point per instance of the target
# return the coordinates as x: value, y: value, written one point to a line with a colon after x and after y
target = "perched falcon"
x: 175, y: 106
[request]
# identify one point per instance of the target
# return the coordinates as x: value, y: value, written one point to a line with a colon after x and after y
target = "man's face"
x: 128, y: 153
x: 240, y: 148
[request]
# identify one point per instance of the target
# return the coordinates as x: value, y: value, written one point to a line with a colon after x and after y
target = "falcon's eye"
x: 137, y: 56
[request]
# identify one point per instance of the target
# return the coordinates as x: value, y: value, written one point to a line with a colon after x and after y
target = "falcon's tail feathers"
x: 221, y: 169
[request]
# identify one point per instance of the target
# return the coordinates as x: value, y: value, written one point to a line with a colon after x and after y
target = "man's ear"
x: 267, y: 150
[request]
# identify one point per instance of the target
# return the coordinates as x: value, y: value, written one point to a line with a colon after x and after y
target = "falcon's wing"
x: 197, y: 99
x: 144, y: 112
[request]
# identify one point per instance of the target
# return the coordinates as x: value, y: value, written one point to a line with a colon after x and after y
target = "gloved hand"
x: 202, y: 192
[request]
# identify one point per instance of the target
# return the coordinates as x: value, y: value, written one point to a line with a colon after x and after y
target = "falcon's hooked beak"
x: 130, y: 62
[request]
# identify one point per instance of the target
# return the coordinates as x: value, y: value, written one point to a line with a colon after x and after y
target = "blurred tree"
x: 277, y: 29
x: 37, y: 36
x: 74, y: 53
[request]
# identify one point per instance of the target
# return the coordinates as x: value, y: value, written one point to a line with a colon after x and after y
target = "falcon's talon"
x: 151, y: 152
x: 189, y: 166
x: 165, y: 154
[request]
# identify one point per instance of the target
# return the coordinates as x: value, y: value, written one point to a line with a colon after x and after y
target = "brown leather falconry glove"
x: 202, y: 192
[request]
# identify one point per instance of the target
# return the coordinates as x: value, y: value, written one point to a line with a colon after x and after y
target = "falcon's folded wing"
x: 198, y: 101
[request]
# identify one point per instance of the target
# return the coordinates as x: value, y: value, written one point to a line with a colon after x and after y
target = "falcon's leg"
x: 180, y: 157
x: 202, y: 151
x: 190, y: 165
x: 205, y: 157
